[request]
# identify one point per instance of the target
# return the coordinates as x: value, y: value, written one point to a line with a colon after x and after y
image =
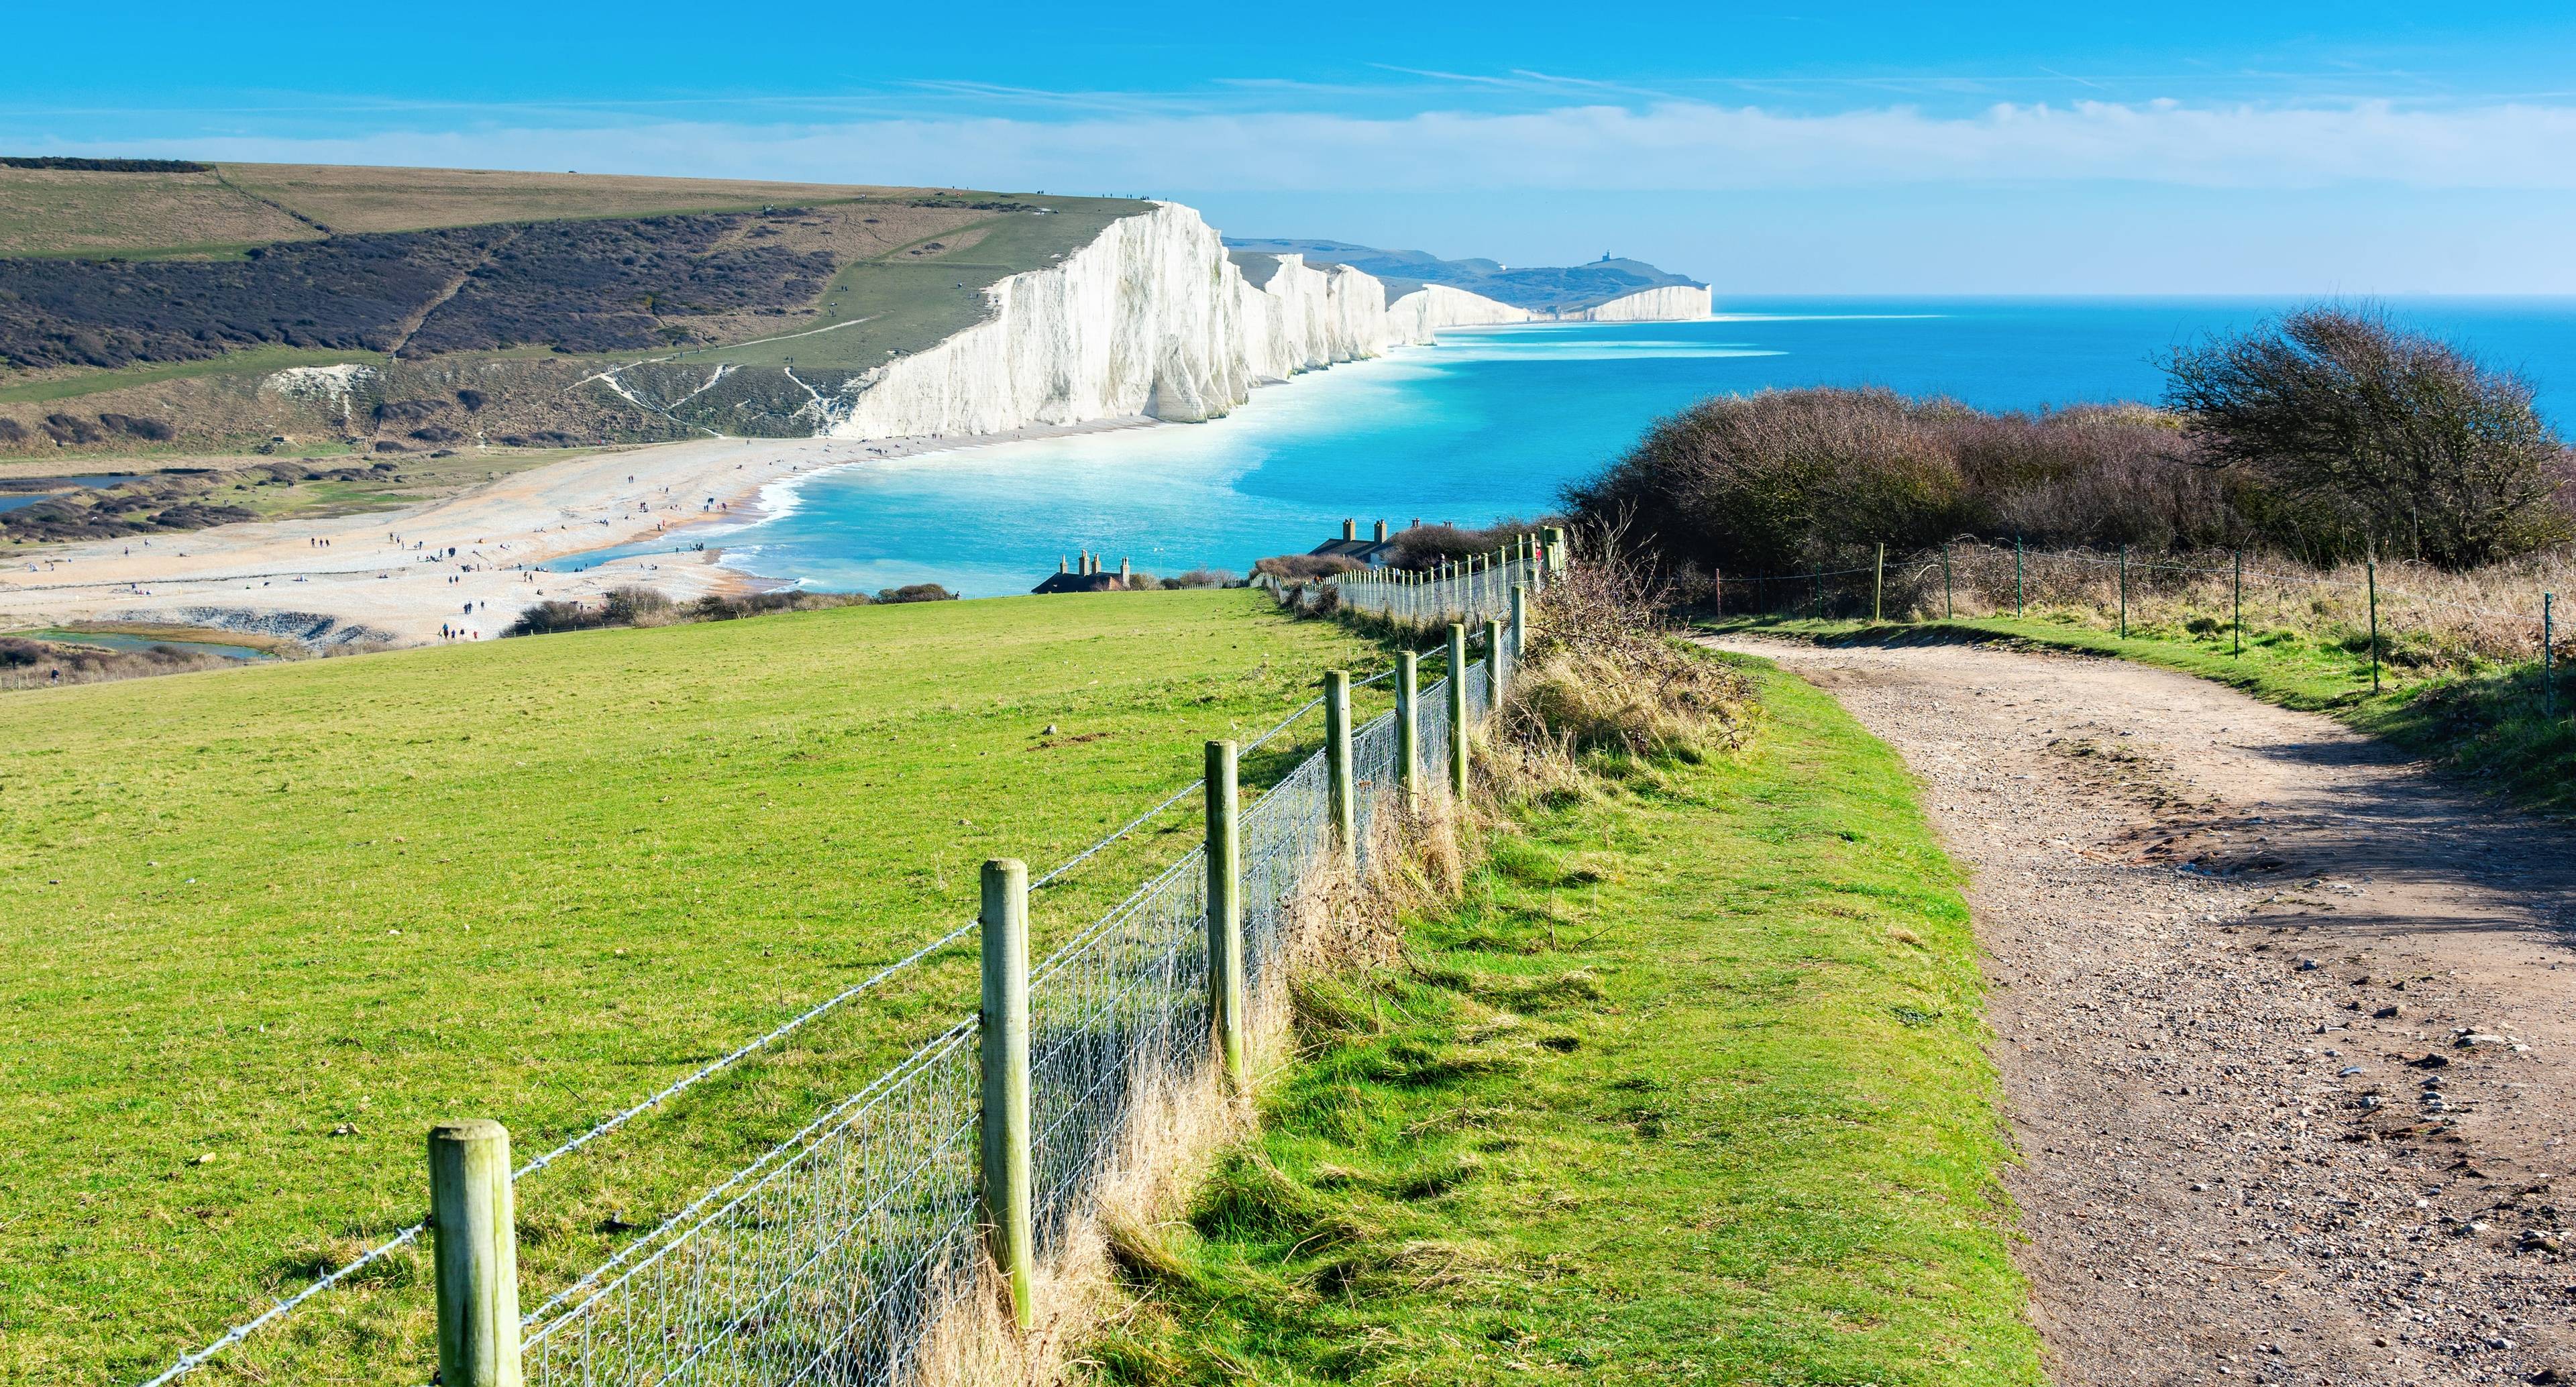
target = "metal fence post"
x: 1344, y: 803
x: 2240, y: 602
x: 2124, y: 592
x: 1408, y: 729
x: 2371, y: 570
x: 1225, y: 909
x: 1458, y: 710
x: 475, y: 1258
x: 1878, y: 587
x: 1004, y: 1046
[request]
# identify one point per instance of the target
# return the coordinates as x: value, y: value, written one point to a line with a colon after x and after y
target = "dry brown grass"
x: 75, y: 211
x: 1604, y: 671
x: 352, y: 198
x: 2427, y: 616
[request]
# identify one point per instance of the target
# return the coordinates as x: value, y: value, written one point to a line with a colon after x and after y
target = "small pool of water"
x: 576, y: 563
x: 118, y: 640
x: 19, y: 500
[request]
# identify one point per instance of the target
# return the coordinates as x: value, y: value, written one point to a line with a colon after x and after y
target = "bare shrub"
x: 1789, y: 479
x: 1604, y: 671
x: 2354, y: 435
x: 1421, y: 547
x: 1297, y: 568
x: 1202, y: 578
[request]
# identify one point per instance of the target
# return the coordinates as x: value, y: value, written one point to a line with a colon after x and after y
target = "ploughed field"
x: 265, y: 926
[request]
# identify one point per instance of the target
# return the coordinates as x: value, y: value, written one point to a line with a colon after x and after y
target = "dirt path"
x: 2232, y: 950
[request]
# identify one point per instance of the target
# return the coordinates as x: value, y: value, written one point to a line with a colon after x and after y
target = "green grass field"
x: 70, y: 385
x: 267, y: 925
x: 2491, y: 724
x: 1690, y: 1089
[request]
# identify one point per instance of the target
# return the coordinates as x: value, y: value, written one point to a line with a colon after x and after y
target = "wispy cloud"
x: 1666, y: 145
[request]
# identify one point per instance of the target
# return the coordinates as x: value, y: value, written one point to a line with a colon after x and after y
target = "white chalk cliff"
x: 1151, y: 318
x: 1663, y: 305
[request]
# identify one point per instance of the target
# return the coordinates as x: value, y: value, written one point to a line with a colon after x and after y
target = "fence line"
x: 188, y: 1362
x: 834, y: 1259
x: 2402, y: 613
x: 825, y: 1258
x: 1471, y: 590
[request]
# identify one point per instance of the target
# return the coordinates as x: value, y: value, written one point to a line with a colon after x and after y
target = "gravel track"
x: 2282, y: 1018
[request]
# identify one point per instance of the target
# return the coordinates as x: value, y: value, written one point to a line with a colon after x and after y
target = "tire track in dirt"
x: 2282, y: 1019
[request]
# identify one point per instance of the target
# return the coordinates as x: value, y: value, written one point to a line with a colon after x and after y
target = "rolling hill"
x: 1553, y: 289
x: 450, y: 305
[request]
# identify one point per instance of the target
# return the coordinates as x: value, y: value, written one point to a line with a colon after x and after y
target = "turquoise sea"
x: 1492, y: 423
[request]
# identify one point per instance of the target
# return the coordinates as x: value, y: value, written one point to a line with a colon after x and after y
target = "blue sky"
x: 2353, y: 148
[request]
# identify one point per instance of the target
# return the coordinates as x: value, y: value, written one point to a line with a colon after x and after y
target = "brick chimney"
x: 1063, y: 564
x: 1350, y: 529
x: 1381, y: 532
x: 1126, y: 575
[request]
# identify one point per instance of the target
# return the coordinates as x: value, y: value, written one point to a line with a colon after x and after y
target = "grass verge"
x: 2493, y: 724
x: 266, y: 925
x: 1689, y: 1088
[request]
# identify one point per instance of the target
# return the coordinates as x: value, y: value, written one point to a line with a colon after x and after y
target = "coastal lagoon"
x: 1491, y: 422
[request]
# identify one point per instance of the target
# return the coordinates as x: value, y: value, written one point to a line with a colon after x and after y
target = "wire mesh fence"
x: 1474, y: 592
x: 822, y: 1262
x: 2424, y: 618
x: 832, y: 1258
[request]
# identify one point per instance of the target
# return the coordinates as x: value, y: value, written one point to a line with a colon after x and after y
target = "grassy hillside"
x: 1690, y: 1089
x: 231, y: 207
x: 167, y: 296
x: 266, y: 925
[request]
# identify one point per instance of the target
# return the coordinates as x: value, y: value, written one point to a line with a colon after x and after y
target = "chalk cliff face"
x: 1151, y: 318
x: 1414, y: 317
x: 1670, y: 303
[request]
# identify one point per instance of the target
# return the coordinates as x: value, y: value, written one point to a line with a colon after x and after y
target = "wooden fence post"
x: 475, y: 1258
x: 1408, y: 729
x: 1498, y: 664
x: 1004, y: 1045
x: 1949, y: 608
x: 1458, y: 710
x: 1520, y: 624
x: 2548, y: 656
x: 1225, y: 909
x: 2016, y: 575
x: 1878, y: 587
x: 1344, y: 801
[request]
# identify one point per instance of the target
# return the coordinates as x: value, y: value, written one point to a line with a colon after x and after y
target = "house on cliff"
x: 1087, y: 577
x: 1375, y: 552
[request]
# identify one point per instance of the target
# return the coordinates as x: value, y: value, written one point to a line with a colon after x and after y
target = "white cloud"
x: 1672, y: 146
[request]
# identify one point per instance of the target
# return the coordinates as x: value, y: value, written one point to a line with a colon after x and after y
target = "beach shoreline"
x: 461, y: 567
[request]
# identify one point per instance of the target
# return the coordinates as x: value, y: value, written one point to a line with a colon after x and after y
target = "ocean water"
x: 1489, y: 423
